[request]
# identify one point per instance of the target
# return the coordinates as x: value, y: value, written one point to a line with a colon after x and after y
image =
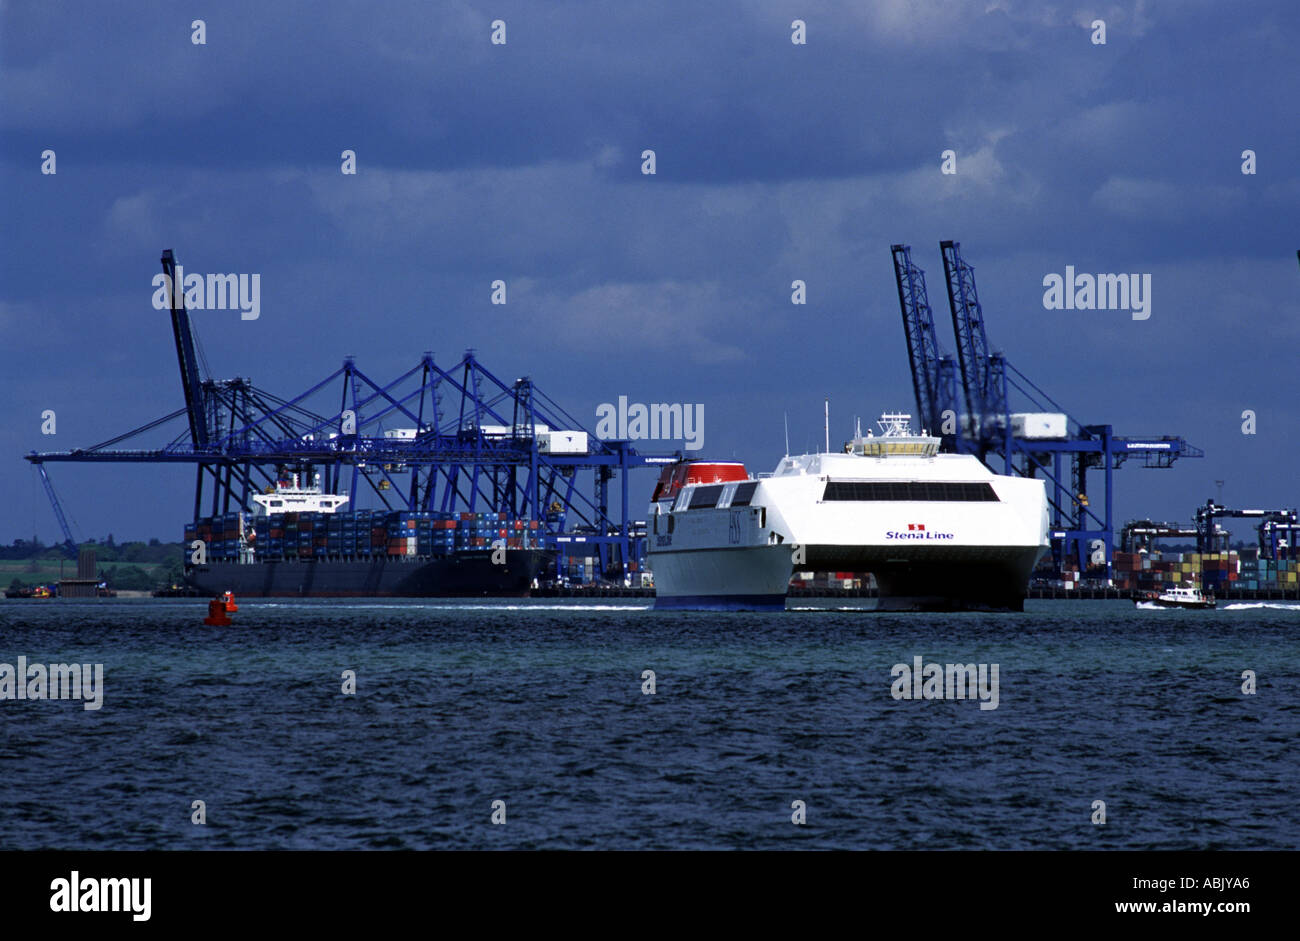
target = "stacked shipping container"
x: 1157, y: 571
x: 362, y: 534
x: 220, y: 534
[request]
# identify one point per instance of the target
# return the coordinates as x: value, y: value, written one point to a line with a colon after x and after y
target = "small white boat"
x: 1188, y: 597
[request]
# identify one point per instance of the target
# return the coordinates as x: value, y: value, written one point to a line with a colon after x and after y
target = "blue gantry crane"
x: 1038, y: 437
x: 1277, y: 529
x: 491, y: 448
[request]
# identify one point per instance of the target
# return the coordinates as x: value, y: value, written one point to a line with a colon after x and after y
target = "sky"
x: 774, y: 162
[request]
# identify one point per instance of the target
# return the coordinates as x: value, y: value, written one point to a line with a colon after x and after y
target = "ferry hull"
x: 969, y: 578
x: 742, y: 579
x: 465, y: 574
x: 956, y: 578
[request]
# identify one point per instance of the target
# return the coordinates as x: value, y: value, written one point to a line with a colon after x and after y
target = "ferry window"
x: 670, y: 522
x: 744, y: 493
x: 706, y: 496
x: 277, y: 503
x: 910, y: 490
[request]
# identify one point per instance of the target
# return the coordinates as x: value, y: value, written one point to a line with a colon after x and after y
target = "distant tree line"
x: 129, y: 566
x: 152, y: 552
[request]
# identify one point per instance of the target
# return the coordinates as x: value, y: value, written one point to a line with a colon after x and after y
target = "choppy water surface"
x: 540, y: 705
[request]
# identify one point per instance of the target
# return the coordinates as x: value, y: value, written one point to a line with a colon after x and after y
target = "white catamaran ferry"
x: 938, y: 531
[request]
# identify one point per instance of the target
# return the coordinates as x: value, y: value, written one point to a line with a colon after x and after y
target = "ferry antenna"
x: 828, y: 424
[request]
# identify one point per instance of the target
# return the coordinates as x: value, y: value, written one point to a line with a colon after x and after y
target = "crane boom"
x: 933, y: 372
x: 185, y: 354
x: 69, y: 544
x: 981, y: 380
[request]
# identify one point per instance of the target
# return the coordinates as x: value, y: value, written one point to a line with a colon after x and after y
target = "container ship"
x: 303, y: 543
x: 938, y: 531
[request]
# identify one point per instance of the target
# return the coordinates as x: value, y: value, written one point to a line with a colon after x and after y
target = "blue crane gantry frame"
x: 1274, y: 527
x: 484, y: 454
x: 985, y: 429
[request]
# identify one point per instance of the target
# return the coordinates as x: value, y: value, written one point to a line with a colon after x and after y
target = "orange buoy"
x: 219, y: 610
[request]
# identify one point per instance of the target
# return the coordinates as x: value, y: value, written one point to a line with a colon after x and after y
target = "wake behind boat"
x: 938, y: 531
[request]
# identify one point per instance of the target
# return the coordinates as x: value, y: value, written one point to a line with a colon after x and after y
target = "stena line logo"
x: 918, y: 531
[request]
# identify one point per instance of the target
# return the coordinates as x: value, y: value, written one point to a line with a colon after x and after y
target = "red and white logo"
x: 919, y: 532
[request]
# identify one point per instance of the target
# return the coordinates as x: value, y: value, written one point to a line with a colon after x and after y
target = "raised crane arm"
x: 981, y: 371
x: 185, y: 354
x: 933, y: 372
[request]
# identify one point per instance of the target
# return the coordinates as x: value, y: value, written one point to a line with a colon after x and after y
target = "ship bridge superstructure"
x: 289, y: 496
x: 895, y: 452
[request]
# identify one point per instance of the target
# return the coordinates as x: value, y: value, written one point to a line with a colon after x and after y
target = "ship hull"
x: 951, y: 578
x: 744, y: 579
x: 972, y: 578
x: 462, y: 575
